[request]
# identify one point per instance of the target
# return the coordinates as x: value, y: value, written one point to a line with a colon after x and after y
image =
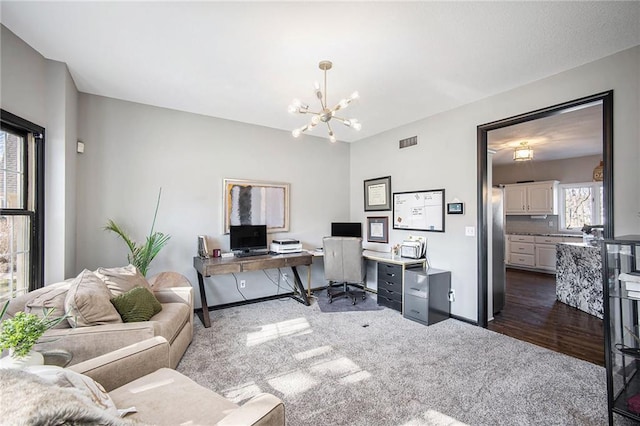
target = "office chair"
x: 344, y: 266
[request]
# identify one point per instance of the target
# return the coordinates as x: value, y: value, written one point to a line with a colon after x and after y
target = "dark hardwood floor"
x: 533, y: 314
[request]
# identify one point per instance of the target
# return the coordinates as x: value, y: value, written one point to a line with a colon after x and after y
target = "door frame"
x: 483, y: 191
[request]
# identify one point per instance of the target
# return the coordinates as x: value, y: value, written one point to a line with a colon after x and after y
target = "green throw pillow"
x: 137, y: 304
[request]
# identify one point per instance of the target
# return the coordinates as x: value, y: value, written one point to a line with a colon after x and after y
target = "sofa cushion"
x: 151, y: 393
x: 88, y: 302
x: 121, y: 280
x: 137, y: 304
x: 171, y: 320
x: 51, y: 296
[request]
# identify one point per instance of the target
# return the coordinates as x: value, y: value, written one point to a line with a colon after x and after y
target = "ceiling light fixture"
x: 326, y: 114
x: 523, y: 152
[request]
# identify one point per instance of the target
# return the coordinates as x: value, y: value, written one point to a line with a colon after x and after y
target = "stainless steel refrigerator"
x: 497, y: 249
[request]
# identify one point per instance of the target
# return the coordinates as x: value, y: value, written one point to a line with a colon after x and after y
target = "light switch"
x: 470, y: 231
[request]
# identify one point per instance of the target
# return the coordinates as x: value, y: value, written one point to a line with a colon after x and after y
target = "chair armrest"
x: 124, y: 365
x: 175, y: 295
x: 263, y: 410
x: 168, y: 279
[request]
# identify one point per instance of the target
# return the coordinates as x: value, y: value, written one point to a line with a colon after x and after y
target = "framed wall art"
x: 419, y: 210
x: 377, y: 194
x: 378, y: 229
x: 248, y: 202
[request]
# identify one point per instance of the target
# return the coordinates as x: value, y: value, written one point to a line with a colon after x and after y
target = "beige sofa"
x: 138, y: 376
x: 174, y: 322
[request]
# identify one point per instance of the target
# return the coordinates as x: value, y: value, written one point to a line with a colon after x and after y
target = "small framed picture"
x: 378, y: 229
x: 455, y: 208
x: 377, y: 194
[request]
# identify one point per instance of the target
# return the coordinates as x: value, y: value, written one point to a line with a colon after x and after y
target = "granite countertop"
x: 586, y: 245
x: 545, y: 235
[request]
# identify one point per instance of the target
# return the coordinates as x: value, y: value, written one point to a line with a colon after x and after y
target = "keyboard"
x: 251, y: 253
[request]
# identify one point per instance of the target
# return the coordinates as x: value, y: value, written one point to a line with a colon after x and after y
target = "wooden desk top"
x: 230, y: 265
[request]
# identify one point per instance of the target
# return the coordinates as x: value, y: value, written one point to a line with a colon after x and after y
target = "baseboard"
x: 463, y: 319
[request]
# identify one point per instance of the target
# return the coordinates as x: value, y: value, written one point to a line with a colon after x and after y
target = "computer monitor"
x: 346, y: 229
x: 247, y: 238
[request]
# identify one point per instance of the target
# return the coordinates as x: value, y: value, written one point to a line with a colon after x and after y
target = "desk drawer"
x: 416, y: 308
x: 389, y: 272
x: 389, y: 286
x: 389, y: 294
x: 389, y: 303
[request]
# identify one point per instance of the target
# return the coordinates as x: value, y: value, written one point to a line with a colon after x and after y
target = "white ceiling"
x: 246, y: 61
x: 577, y: 132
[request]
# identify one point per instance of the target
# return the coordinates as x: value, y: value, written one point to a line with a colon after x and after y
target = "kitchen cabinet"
x: 531, y: 198
x: 535, y: 251
x: 545, y: 248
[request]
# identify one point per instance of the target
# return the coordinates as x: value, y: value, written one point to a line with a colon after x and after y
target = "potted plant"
x: 20, y: 333
x: 142, y: 254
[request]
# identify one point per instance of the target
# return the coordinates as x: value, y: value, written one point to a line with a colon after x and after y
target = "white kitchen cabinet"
x: 521, y: 250
x: 531, y: 198
x: 546, y: 252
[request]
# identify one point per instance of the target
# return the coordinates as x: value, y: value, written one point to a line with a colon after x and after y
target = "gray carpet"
x: 376, y: 368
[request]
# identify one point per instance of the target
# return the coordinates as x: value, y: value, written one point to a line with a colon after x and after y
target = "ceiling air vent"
x: 406, y: 143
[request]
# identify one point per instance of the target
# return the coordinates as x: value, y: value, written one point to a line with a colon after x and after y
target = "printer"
x: 286, y: 245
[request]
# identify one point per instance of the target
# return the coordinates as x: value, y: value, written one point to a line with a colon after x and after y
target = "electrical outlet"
x: 550, y: 223
x: 470, y: 231
x: 452, y: 295
x: 243, y: 283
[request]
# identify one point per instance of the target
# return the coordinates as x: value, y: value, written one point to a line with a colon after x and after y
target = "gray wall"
x: 570, y: 170
x: 446, y: 158
x: 42, y: 91
x: 131, y: 150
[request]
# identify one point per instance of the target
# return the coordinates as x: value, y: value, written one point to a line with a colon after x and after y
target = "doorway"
x: 484, y: 190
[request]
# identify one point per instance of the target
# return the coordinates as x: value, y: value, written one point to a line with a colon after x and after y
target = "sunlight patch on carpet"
x: 313, y: 353
x: 338, y: 367
x: 274, y: 331
x: 293, y: 383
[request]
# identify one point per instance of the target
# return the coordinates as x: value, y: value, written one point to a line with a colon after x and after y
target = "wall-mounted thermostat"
x: 455, y: 208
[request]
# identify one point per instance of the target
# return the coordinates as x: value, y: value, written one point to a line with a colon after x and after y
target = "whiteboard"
x: 419, y: 210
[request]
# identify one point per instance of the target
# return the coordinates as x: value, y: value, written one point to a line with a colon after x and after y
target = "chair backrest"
x: 343, y: 261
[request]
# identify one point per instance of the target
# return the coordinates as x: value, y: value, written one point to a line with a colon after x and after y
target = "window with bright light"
x: 581, y: 204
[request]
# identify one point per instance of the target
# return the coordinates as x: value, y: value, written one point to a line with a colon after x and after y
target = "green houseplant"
x: 20, y: 333
x: 141, y: 255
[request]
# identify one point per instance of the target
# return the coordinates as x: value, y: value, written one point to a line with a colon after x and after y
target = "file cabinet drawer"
x: 416, y: 308
x: 389, y: 303
x: 390, y: 273
x: 388, y: 294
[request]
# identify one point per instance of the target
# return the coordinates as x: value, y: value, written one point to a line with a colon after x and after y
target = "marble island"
x: 579, y: 277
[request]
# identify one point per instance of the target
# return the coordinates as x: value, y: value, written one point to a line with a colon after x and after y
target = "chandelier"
x: 326, y: 114
x: 523, y: 152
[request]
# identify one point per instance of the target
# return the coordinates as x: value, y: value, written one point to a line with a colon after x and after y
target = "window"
x: 581, y: 204
x: 21, y: 201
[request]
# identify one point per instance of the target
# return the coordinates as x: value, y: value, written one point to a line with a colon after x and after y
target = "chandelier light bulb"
x: 325, y: 113
x: 356, y: 126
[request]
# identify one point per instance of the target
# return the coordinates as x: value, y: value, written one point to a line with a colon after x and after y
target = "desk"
x: 380, y: 257
x: 231, y: 265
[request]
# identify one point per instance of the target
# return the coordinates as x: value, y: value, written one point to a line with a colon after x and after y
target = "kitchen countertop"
x: 545, y: 235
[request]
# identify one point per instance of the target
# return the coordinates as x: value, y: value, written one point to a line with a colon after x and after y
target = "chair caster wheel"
x: 364, y: 297
x: 330, y: 300
x: 353, y: 302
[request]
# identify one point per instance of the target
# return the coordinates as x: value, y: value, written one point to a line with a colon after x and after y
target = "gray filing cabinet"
x: 426, y: 295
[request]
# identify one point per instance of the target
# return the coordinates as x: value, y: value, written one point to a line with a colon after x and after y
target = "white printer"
x: 286, y: 245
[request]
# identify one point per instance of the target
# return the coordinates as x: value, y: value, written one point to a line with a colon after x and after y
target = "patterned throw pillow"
x: 138, y: 304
